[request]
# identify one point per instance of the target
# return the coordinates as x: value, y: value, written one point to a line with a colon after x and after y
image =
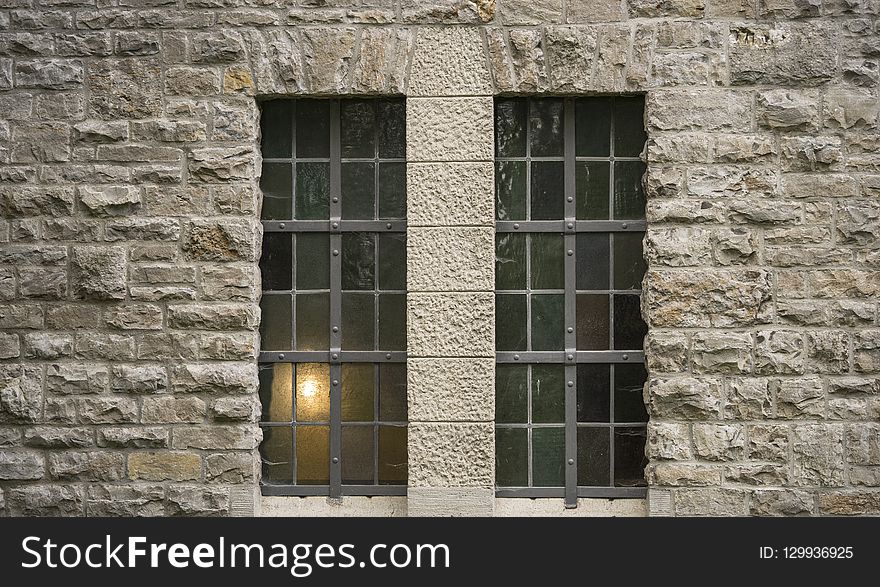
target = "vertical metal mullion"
x: 570, y: 309
x: 611, y: 296
x: 377, y: 382
x: 335, y: 304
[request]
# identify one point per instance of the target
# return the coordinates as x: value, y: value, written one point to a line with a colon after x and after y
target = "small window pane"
x: 276, y: 452
x: 593, y: 452
x: 593, y: 189
x: 358, y: 191
x: 548, y: 394
x: 312, y: 261
x: 510, y: 261
x: 392, y: 129
x: 629, y: 262
x: 358, y: 383
x: 276, y: 332
x: 276, y: 128
x: 545, y: 125
x: 357, y: 128
x: 392, y: 322
x: 312, y: 322
x: 312, y: 129
x: 510, y: 128
x: 392, y: 190
x: 312, y: 455
x: 392, y: 261
x: 593, y: 393
x: 276, y: 262
x: 312, y: 392
x: 392, y: 455
x: 312, y: 191
x: 548, y: 457
x: 276, y: 392
x: 593, y: 253
x: 358, y: 321
x: 548, y: 261
x: 511, y: 457
x: 548, y: 315
x: 510, y: 190
x: 629, y: 328
x: 511, y: 393
x: 392, y: 392
x: 629, y: 457
x: 593, y: 322
x: 276, y: 183
x: 629, y: 198
x: 510, y: 322
x: 593, y: 127
x: 629, y: 383
x: 629, y: 126
x: 548, y: 190
x: 358, y: 261
x: 357, y: 455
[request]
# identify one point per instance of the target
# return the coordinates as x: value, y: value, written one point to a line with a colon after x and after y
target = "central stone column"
x: 450, y: 276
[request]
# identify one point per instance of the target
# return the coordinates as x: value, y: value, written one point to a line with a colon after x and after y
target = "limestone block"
x: 164, y: 466
x: 87, y: 465
x: 451, y: 454
x: 449, y: 62
x: 18, y: 465
x: 124, y: 88
x: 684, y: 398
x: 450, y: 259
x: 45, y: 500
x: 451, y: 390
x: 451, y: 325
x: 125, y: 500
x: 817, y: 455
x: 449, y: 129
x: 782, y: 53
x: 173, y: 410
x: 132, y: 437
x: 76, y: 378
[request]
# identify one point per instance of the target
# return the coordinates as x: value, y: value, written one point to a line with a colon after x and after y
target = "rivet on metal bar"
x: 570, y: 252
x: 335, y: 329
x: 570, y: 357
x: 281, y: 355
x: 335, y: 460
x: 388, y: 226
x: 570, y: 461
x: 624, y: 225
x: 335, y: 200
x: 281, y: 225
x: 516, y: 226
x: 388, y: 356
x: 625, y: 357
x: 334, y: 356
x: 516, y: 357
x: 570, y: 329
x: 335, y: 253
x: 571, y: 383
x: 335, y: 382
x: 335, y: 225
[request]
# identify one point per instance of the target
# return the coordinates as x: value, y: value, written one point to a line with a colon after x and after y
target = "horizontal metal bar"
x: 327, y: 357
x: 608, y: 159
x: 563, y: 226
x: 530, y: 492
x: 563, y: 357
x: 579, y: 425
x: 334, y: 226
x: 596, y: 492
x: 326, y: 160
x: 347, y: 490
x: 360, y: 423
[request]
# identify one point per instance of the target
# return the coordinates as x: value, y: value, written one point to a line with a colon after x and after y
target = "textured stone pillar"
x: 450, y: 276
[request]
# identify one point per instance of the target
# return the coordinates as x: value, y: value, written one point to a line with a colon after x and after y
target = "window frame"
x: 570, y: 357
x: 335, y: 356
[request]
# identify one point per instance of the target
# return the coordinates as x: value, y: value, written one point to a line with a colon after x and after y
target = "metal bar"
x: 348, y: 159
x: 596, y: 492
x: 328, y: 225
x: 555, y: 425
x: 345, y: 490
x: 325, y: 357
x: 335, y: 303
x: 562, y: 225
x: 526, y: 357
x: 570, y: 269
x: 556, y: 158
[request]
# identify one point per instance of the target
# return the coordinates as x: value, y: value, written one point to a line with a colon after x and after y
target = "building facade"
x: 136, y: 141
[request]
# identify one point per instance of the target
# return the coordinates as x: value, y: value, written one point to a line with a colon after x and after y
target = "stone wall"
x: 129, y: 163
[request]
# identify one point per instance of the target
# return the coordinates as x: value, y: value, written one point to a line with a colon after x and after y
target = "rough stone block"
x: 45, y: 500
x: 197, y: 501
x: 778, y: 351
x: 817, y: 455
x: 18, y: 465
x: 450, y: 259
x: 781, y: 502
x: 782, y: 53
x: 125, y: 500
x: 449, y: 62
x: 52, y: 74
x: 87, y: 466
x: 101, y: 410
x: 124, y: 88
x: 786, y: 109
x: 132, y: 437
x: 164, y: 466
x: 768, y: 442
x: 684, y: 398
x: 450, y: 324
x: 710, y: 502
x: 212, y: 378
x: 98, y: 273
x: 449, y: 194
x: 213, y: 317
x: 173, y: 410
x: 229, y: 467
x: 451, y: 455
x: 449, y: 129
x: 706, y: 110
x: 668, y: 441
x: 21, y: 393
x: 718, y: 442
x: 451, y: 390
x: 721, y: 353
x: 239, y: 437
x: 76, y: 378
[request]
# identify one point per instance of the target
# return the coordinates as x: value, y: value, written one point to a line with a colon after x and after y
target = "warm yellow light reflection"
x: 312, y: 392
x: 309, y: 388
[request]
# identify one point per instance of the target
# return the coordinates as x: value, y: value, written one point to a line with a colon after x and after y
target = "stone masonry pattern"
x: 130, y: 236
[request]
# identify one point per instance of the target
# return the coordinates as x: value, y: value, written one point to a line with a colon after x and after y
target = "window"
x: 333, y: 329
x: 570, y: 209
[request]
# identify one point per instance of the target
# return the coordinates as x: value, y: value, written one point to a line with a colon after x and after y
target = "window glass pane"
x: 392, y: 322
x: 358, y: 383
x: 629, y: 126
x: 629, y: 328
x: 548, y: 394
x: 593, y: 127
x: 312, y: 392
x: 548, y: 190
x: 593, y: 189
x: 276, y: 451
x: 358, y: 191
x: 312, y: 260
x: 276, y: 262
x: 592, y: 261
x: 358, y: 321
x: 510, y: 190
x: 629, y: 457
x: 548, y: 315
x: 392, y: 129
x: 629, y: 383
x: 511, y: 457
x: 392, y: 190
x: 312, y: 455
x: 312, y: 191
x: 312, y: 128
x: 276, y: 392
x: 357, y: 455
x: 276, y: 128
x: 593, y: 454
x: 548, y: 457
x: 548, y: 261
x: 312, y: 322
x: 276, y: 323
x: 629, y: 263
x: 358, y: 261
x: 392, y: 261
x: 510, y: 128
x: 510, y: 261
x: 392, y: 392
x: 511, y: 393
x: 276, y: 183
x: 593, y: 322
x: 510, y: 322
x: 629, y: 198
x: 593, y: 393
x: 357, y: 128
x: 545, y: 125
x: 392, y: 455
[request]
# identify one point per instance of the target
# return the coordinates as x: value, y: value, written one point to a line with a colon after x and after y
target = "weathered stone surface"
x: 213, y: 317
x: 721, y: 353
x: 229, y: 467
x: 768, y: 442
x: 451, y: 455
x: 110, y: 200
x: 231, y: 240
x: 668, y: 441
x: 173, y: 410
x: 450, y: 324
x: 684, y: 398
x: 236, y: 409
x: 780, y: 502
x: 132, y: 437
x: 125, y: 500
x: 164, y: 466
x: 21, y: 393
x: 440, y: 194
x: 449, y: 129
x: 20, y: 465
x: 778, y: 351
x: 52, y: 74
x: 450, y: 390
x: 87, y: 466
x: 197, y: 501
x: 65, y: 378
x: 818, y: 455
x: 786, y: 53
x: 684, y: 109
x: 124, y: 88
x: 718, y: 442
x: 45, y: 500
x: 239, y: 437
x: 710, y: 502
x: 450, y: 259
x: 100, y: 410
x: 788, y: 109
x: 211, y: 378
x: 98, y: 273
x: 666, y: 352
x: 449, y: 62
x: 850, y: 503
